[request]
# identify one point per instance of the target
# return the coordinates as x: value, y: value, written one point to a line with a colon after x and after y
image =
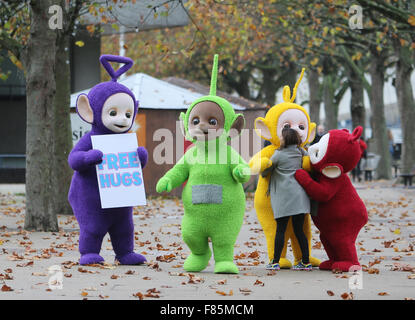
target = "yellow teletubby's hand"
x: 306, y: 164
x: 259, y: 166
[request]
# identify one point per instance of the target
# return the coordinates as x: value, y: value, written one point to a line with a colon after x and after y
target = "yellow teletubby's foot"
x: 285, y: 263
x: 314, y: 262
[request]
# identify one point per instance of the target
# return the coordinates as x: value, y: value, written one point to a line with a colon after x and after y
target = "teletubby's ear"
x: 312, y: 134
x: 262, y: 129
x: 332, y: 171
x: 84, y: 109
x: 237, y: 125
x: 357, y: 132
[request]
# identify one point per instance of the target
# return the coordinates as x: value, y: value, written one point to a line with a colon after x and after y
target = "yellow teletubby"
x: 270, y: 128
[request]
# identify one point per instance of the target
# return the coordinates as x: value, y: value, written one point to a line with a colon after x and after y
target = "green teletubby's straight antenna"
x: 214, y: 76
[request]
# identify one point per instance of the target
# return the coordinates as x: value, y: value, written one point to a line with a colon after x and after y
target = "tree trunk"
x: 240, y: 85
x: 329, y: 105
x: 378, y: 121
x: 268, y: 86
x: 357, y: 107
x: 62, y: 173
x: 40, y: 91
x: 315, y: 100
x: 406, y: 106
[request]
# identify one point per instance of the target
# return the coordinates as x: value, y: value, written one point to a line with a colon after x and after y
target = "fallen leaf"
x: 224, y: 293
x: 259, y: 283
x: 383, y: 294
x: 166, y: 258
x: 6, y: 288
x: 30, y: 263
x: 152, y: 293
x: 402, y: 267
x: 138, y: 295
x: 90, y: 289
x: 245, y: 291
x: 330, y: 293
x: 373, y: 271
x: 347, y: 296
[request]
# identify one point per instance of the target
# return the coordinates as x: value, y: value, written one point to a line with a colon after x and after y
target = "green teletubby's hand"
x: 241, y: 173
x: 164, y: 184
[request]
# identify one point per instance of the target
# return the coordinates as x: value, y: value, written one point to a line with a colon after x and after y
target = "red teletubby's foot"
x: 326, y: 265
x: 345, y: 266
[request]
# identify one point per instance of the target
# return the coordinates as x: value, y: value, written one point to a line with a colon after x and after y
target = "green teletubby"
x: 213, y: 198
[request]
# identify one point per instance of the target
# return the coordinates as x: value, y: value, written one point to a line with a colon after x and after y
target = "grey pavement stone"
x: 385, y: 244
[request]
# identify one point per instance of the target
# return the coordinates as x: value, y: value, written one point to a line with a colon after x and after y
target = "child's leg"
x: 298, y: 223
x: 279, y: 237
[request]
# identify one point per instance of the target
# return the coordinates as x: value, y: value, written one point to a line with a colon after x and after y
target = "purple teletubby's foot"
x: 131, y: 259
x: 90, y: 258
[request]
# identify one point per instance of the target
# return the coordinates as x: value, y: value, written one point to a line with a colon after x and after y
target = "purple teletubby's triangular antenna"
x: 105, y: 60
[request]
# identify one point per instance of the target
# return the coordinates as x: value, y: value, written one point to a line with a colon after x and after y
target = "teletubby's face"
x: 206, y: 121
x: 118, y: 112
x: 336, y: 153
x: 294, y: 119
x: 318, y: 151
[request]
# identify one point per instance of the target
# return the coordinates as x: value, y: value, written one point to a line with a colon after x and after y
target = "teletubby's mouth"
x: 120, y: 126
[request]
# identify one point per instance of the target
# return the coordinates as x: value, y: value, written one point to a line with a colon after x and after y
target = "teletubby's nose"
x: 203, y: 127
x: 314, y: 149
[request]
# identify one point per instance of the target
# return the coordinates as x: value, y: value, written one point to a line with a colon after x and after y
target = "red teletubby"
x: 341, y: 212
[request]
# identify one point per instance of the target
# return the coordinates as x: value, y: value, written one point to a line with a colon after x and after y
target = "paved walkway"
x: 385, y: 246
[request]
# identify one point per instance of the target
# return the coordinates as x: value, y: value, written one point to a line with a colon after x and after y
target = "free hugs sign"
x: 120, y: 177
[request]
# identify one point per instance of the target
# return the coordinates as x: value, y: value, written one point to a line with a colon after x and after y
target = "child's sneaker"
x: 273, y: 266
x: 302, y: 266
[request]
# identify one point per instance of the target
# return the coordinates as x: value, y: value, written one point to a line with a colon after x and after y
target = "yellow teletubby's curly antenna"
x: 286, y: 92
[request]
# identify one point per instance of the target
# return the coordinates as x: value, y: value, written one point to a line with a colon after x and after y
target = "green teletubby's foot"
x: 226, y: 267
x: 196, y: 263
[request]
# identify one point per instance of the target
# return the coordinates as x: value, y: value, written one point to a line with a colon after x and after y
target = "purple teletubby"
x: 110, y: 108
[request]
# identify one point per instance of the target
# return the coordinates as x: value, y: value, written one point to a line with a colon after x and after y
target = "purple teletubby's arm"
x: 82, y: 160
x: 143, y: 156
x: 83, y: 156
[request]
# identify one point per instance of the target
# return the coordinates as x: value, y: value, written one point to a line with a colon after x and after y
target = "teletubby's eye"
x: 287, y: 126
x: 113, y: 113
x: 128, y: 114
x: 195, y: 121
x: 301, y: 126
x: 213, y: 121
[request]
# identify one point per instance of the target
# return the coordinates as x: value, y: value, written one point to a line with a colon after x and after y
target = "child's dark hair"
x: 290, y: 137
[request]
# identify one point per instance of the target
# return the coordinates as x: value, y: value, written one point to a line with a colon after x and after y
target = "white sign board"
x: 120, y: 178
